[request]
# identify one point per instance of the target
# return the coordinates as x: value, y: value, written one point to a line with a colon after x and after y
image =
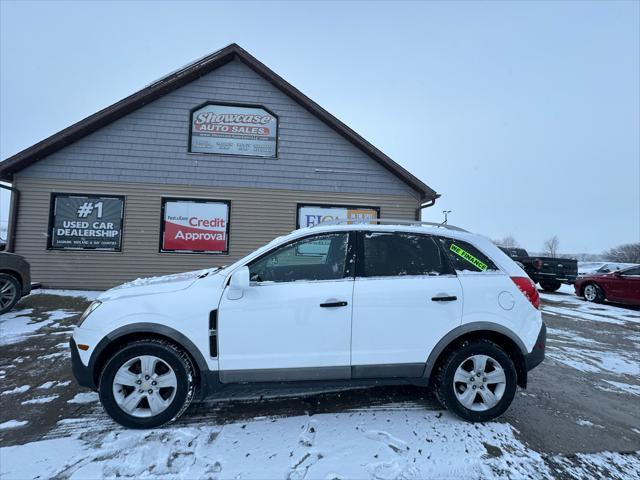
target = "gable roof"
x: 180, y: 78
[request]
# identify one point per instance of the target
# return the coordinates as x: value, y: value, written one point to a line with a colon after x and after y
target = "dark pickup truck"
x: 549, y: 272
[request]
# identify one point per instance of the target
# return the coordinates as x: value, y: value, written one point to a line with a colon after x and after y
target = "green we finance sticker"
x: 468, y: 257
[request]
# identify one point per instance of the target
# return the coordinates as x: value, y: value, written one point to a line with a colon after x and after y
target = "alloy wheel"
x: 590, y: 292
x: 144, y: 386
x: 479, y: 383
x: 8, y: 293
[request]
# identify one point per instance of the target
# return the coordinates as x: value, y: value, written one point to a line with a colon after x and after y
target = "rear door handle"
x: 333, y: 304
x: 449, y: 298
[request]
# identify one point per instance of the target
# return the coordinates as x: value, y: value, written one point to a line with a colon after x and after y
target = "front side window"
x: 402, y: 254
x: 321, y: 257
x: 632, y: 272
x: 467, y: 258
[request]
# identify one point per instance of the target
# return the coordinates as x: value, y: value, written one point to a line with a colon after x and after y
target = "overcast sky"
x: 524, y: 116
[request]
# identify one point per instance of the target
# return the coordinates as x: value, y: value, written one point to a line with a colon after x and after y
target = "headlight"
x: 95, y: 304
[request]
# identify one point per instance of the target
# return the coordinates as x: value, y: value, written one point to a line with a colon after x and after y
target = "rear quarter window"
x: 466, y: 258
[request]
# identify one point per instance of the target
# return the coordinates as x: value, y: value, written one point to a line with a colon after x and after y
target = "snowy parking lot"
x: 579, y: 417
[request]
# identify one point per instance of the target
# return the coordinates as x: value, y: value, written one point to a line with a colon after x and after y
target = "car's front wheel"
x: 476, y: 381
x: 147, y: 384
x: 593, y: 293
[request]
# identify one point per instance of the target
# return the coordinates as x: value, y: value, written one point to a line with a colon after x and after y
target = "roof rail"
x: 389, y: 221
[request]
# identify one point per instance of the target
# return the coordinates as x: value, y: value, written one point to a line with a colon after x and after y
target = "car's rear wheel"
x: 550, y: 286
x: 147, y: 384
x: 476, y: 381
x: 10, y: 291
x: 593, y: 293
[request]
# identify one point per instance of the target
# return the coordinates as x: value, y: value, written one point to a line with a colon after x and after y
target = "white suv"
x: 334, y: 305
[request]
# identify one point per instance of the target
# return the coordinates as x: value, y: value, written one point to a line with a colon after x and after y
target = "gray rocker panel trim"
x: 468, y: 328
x: 401, y: 370
x: 285, y: 374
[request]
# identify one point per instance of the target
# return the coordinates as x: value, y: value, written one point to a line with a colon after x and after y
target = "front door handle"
x: 333, y: 304
x: 449, y: 298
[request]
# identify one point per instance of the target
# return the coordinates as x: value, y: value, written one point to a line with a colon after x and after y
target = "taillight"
x: 538, y: 264
x: 529, y: 289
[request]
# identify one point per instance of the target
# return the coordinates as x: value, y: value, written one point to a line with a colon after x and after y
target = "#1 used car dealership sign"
x: 234, y: 130
x: 195, y: 226
x: 80, y: 222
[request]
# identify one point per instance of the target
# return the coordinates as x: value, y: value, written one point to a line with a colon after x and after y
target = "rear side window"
x: 466, y: 257
x: 399, y: 254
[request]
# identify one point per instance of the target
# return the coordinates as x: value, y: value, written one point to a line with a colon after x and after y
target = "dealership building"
x: 195, y: 170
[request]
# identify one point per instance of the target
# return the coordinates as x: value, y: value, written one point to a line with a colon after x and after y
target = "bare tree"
x: 551, y: 246
x: 628, y: 253
x: 508, y: 241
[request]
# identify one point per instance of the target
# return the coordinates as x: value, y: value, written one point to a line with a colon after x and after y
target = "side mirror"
x: 238, y: 284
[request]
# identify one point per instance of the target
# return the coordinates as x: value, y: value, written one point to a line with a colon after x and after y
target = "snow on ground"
x: 12, y: 424
x: 566, y: 303
x: 46, y: 399
x: 587, y: 360
x: 632, y: 389
x: 391, y: 442
x: 20, y: 389
x: 84, y: 397
x: 380, y: 444
x: 19, y: 325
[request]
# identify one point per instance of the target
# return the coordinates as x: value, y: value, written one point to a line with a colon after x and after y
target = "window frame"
x: 163, y: 203
x: 51, y: 221
x: 239, y: 105
x: 360, y: 273
x: 349, y: 272
x: 302, y: 205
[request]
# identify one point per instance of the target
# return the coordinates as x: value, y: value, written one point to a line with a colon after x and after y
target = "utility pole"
x: 446, y: 213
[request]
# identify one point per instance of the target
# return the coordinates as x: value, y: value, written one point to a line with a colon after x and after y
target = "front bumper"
x: 536, y: 356
x: 83, y: 373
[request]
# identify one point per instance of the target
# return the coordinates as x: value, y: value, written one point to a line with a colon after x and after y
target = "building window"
x: 310, y: 215
x: 225, y: 129
x: 86, y: 222
x: 195, y: 226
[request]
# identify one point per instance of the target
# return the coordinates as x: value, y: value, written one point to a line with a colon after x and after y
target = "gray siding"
x: 150, y: 146
x: 257, y: 216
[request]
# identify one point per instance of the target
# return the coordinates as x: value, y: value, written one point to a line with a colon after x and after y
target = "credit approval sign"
x: 195, y: 226
x: 233, y: 130
x: 310, y: 215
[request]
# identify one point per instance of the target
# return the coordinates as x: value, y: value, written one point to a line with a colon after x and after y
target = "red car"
x: 622, y: 286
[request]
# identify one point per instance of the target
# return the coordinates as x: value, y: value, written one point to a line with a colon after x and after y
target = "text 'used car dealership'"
x: 195, y: 170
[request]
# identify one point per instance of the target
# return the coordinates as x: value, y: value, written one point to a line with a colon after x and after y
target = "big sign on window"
x: 195, y: 226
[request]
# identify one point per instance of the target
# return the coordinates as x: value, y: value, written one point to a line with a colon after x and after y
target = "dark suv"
x: 15, y: 280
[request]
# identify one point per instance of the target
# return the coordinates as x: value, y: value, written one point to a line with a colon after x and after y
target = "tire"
x: 550, y: 286
x: 130, y: 403
x: 10, y: 292
x: 475, y: 409
x: 593, y: 293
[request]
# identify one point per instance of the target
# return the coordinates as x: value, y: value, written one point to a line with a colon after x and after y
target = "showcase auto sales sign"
x: 194, y: 226
x: 234, y: 130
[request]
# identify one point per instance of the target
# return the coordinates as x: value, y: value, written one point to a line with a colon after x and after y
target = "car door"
x: 624, y: 286
x: 294, y: 321
x: 406, y: 298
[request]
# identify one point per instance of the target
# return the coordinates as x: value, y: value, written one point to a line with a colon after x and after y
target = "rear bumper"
x: 536, y: 356
x: 83, y: 374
